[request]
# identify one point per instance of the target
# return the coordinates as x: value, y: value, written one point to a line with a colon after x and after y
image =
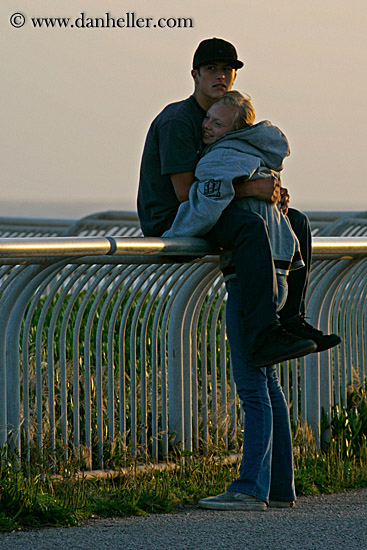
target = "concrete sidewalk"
x: 335, y: 522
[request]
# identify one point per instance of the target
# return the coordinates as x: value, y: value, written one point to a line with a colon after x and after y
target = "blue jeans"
x: 267, y: 464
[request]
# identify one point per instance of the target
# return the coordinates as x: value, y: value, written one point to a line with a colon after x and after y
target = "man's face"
x: 217, y: 122
x: 212, y: 80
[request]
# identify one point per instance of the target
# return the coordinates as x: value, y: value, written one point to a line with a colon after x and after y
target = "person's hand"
x: 262, y: 189
x: 284, y: 200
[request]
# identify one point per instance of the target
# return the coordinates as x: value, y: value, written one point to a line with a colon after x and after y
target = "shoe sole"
x: 234, y: 506
x: 335, y: 342
x: 301, y: 352
x: 280, y: 504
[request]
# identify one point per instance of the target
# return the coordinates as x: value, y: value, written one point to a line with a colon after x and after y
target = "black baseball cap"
x: 216, y: 49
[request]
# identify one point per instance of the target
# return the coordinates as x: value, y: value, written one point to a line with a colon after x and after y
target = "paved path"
x: 325, y: 522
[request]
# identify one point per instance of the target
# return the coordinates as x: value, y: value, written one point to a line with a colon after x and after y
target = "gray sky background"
x: 77, y: 102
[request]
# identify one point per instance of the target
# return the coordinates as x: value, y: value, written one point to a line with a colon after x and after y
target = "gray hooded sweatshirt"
x: 251, y: 153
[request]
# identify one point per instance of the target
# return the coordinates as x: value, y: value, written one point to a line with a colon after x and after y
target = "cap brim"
x: 236, y: 63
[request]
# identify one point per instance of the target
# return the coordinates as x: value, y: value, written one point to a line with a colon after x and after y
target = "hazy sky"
x: 77, y: 102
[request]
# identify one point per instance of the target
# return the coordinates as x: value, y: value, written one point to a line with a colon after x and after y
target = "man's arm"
x: 181, y: 184
x: 263, y: 189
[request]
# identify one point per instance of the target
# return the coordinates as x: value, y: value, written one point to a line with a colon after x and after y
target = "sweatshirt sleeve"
x: 212, y: 191
x: 209, y: 195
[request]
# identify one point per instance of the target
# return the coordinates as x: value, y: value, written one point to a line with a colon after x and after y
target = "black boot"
x: 299, y: 327
x: 276, y: 344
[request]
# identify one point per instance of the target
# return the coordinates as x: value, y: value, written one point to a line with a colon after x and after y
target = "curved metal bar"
x: 95, y: 277
x: 178, y: 414
x: 103, y: 280
x: 159, y: 352
x: 73, y: 273
x: 319, y: 389
x: 8, y: 274
x: 114, y: 288
x: 220, y: 290
x: 39, y: 363
x: 203, y: 287
x: 197, y: 285
x: 162, y: 277
x: 170, y: 278
x: 127, y: 277
x: 86, y: 273
x: 39, y: 391
x: 30, y: 280
x: 204, y: 368
x: 144, y: 273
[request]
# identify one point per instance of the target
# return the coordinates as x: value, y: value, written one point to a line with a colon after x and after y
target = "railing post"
x: 10, y: 378
x: 175, y: 370
x: 179, y: 359
x: 22, y: 291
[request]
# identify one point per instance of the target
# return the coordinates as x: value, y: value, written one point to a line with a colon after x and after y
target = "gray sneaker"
x: 233, y: 501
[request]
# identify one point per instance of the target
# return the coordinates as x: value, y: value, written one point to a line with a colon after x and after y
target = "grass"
x: 28, y: 501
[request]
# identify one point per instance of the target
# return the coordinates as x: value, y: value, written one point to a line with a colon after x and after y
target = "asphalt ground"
x: 323, y: 522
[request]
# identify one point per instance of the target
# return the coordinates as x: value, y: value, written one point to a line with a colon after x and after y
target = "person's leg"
x: 252, y: 388
x: 267, y: 463
x: 266, y: 473
x: 292, y: 316
x: 298, y: 279
x: 260, y: 392
x: 282, y: 283
x: 251, y: 490
x: 245, y: 233
x: 282, y: 487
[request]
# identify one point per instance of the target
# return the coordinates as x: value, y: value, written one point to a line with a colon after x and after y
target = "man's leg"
x: 292, y: 316
x: 298, y: 279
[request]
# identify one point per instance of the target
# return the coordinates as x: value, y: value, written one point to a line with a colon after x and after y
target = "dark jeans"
x: 246, y: 234
x: 298, y: 279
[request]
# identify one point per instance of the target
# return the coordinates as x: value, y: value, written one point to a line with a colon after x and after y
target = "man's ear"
x: 194, y: 74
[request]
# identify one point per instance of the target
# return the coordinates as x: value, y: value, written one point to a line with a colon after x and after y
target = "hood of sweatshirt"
x: 263, y: 140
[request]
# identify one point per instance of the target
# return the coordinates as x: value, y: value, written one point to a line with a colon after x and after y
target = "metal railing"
x: 120, y: 341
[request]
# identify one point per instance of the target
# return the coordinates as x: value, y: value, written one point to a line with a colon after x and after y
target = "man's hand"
x: 284, y: 200
x: 263, y: 189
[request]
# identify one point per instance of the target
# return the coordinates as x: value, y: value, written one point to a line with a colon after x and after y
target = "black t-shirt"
x: 172, y: 146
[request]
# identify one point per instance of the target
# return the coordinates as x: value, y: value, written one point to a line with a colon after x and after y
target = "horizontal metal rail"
x: 67, y: 247
x: 119, y: 343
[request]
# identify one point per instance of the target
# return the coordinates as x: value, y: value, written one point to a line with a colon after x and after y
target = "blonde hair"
x: 244, y: 111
